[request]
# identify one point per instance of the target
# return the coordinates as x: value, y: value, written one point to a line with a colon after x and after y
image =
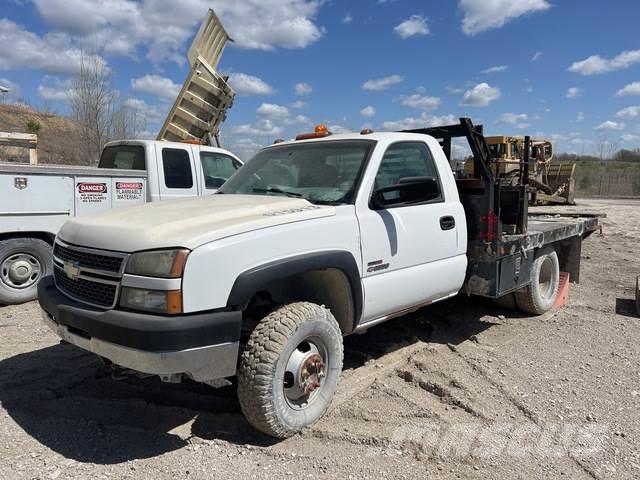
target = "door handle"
x: 447, y: 223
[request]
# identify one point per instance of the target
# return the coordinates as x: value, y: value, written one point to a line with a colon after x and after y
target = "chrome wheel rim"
x: 20, y: 270
x: 305, y: 373
x: 545, y: 279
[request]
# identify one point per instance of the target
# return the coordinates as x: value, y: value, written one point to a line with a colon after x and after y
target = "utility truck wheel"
x: 539, y: 296
x: 289, y: 369
x: 23, y: 262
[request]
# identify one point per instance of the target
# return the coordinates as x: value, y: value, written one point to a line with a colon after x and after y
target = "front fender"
x: 213, y: 269
x: 249, y: 282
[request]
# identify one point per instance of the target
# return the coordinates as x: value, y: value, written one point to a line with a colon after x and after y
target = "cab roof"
x: 373, y: 136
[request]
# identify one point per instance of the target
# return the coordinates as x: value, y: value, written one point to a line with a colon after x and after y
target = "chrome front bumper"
x: 202, y: 364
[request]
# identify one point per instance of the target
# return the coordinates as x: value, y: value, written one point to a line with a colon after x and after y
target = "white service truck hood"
x: 189, y: 223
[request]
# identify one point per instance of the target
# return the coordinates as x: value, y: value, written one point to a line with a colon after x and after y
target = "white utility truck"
x: 37, y: 200
x: 311, y: 240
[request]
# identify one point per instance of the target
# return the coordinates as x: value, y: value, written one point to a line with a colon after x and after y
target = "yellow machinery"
x: 554, y: 182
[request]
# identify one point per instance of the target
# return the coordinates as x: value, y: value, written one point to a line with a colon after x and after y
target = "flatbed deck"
x: 560, y: 227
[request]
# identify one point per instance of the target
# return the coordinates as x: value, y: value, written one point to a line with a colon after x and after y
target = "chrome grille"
x: 95, y: 293
x: 83, y: 258
x: 88, y: 275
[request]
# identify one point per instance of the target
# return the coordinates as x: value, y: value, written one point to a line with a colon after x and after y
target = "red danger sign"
x: 129, y: 185
x: 92, y: 187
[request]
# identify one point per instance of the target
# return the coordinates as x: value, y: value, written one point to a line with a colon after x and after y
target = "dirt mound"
x: 59, y: 138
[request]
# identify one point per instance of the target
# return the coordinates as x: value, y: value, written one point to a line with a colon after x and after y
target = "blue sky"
x: 566, y: 69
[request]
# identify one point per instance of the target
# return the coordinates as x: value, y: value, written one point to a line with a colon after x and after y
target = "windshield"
x: 128, y: 157
x: 320, y: 172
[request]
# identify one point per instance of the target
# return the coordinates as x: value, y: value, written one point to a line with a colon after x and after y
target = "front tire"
x: 23, y: 262
x: 539, y: 296
x: 289, y: 369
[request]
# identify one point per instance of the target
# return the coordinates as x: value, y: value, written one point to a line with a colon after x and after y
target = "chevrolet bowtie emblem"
x: 71, y: 270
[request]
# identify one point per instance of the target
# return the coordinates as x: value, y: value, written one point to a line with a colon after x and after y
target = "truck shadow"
x: 626, y: 307
x: 66, y: 399
x: 451, y: 322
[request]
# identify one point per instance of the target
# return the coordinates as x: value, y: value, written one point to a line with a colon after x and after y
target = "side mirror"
x: 408, y: 190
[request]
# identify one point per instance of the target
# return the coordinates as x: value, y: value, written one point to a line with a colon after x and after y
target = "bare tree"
x: 127, y: 121
x: 91, y: 98
x: 605, y: 150
x: 98, y: 108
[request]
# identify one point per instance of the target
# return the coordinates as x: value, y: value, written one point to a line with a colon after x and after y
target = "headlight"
x: 158, y: 263
x: 168, y: 302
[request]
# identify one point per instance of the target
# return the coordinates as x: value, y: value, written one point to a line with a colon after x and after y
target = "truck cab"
x: 174, y: 169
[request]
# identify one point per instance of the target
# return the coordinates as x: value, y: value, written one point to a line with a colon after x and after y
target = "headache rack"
x: 503, y: 237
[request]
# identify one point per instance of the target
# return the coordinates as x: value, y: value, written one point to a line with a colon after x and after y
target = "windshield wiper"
x: 277, y: 190
x: 326, y: 202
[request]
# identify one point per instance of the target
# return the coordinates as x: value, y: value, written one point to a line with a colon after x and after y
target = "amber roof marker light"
x: 318, y: 132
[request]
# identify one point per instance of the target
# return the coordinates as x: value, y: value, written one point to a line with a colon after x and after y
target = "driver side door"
x: 411, y: 250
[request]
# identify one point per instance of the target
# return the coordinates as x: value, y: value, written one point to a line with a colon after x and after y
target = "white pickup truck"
x: 37, y: 200
x: 311, y: 240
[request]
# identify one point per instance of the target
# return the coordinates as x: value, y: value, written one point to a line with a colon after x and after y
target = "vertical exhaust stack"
x: 205, y: 97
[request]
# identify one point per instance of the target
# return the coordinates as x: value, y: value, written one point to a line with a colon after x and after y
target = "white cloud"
x: 496, y: 69
x: 161, y: 87
x: 243, y: 145
x: 368, y: 112
x: 272, y: 111
x: 481, y: 15
x: 629, y: 112
x: 515, y: 119
x: 60, y: 93
x: 380, y: 84
x: 267, y: 24
x: 596, y: 65
x: 297, y: 104
x: 53, y: 53
x: 628, y: 137
x: 270, y: 119
x: 573, y: 92
x: 164, y: 26
x: 454, y: 90
x: 610, y: 125
x: 481, y: 95
x: 422, y: 121
x: 337, y: 129
x: 298, y: 120
x: 263, y: 127
x: 580, y: 117
x: 422, y: 102
x: 153, y: 114
x: 347, y: 19
x: 416, y: 25
x: 536, y: 56
x: 630, y: 89
x: 269, y: 123
x: 246, y: 85
x: 302, y: 88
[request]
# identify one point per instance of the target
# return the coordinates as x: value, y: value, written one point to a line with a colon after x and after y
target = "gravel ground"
x: 459, y: 390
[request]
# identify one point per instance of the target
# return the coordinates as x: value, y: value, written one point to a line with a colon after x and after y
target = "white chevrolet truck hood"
x: 186, y: 223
